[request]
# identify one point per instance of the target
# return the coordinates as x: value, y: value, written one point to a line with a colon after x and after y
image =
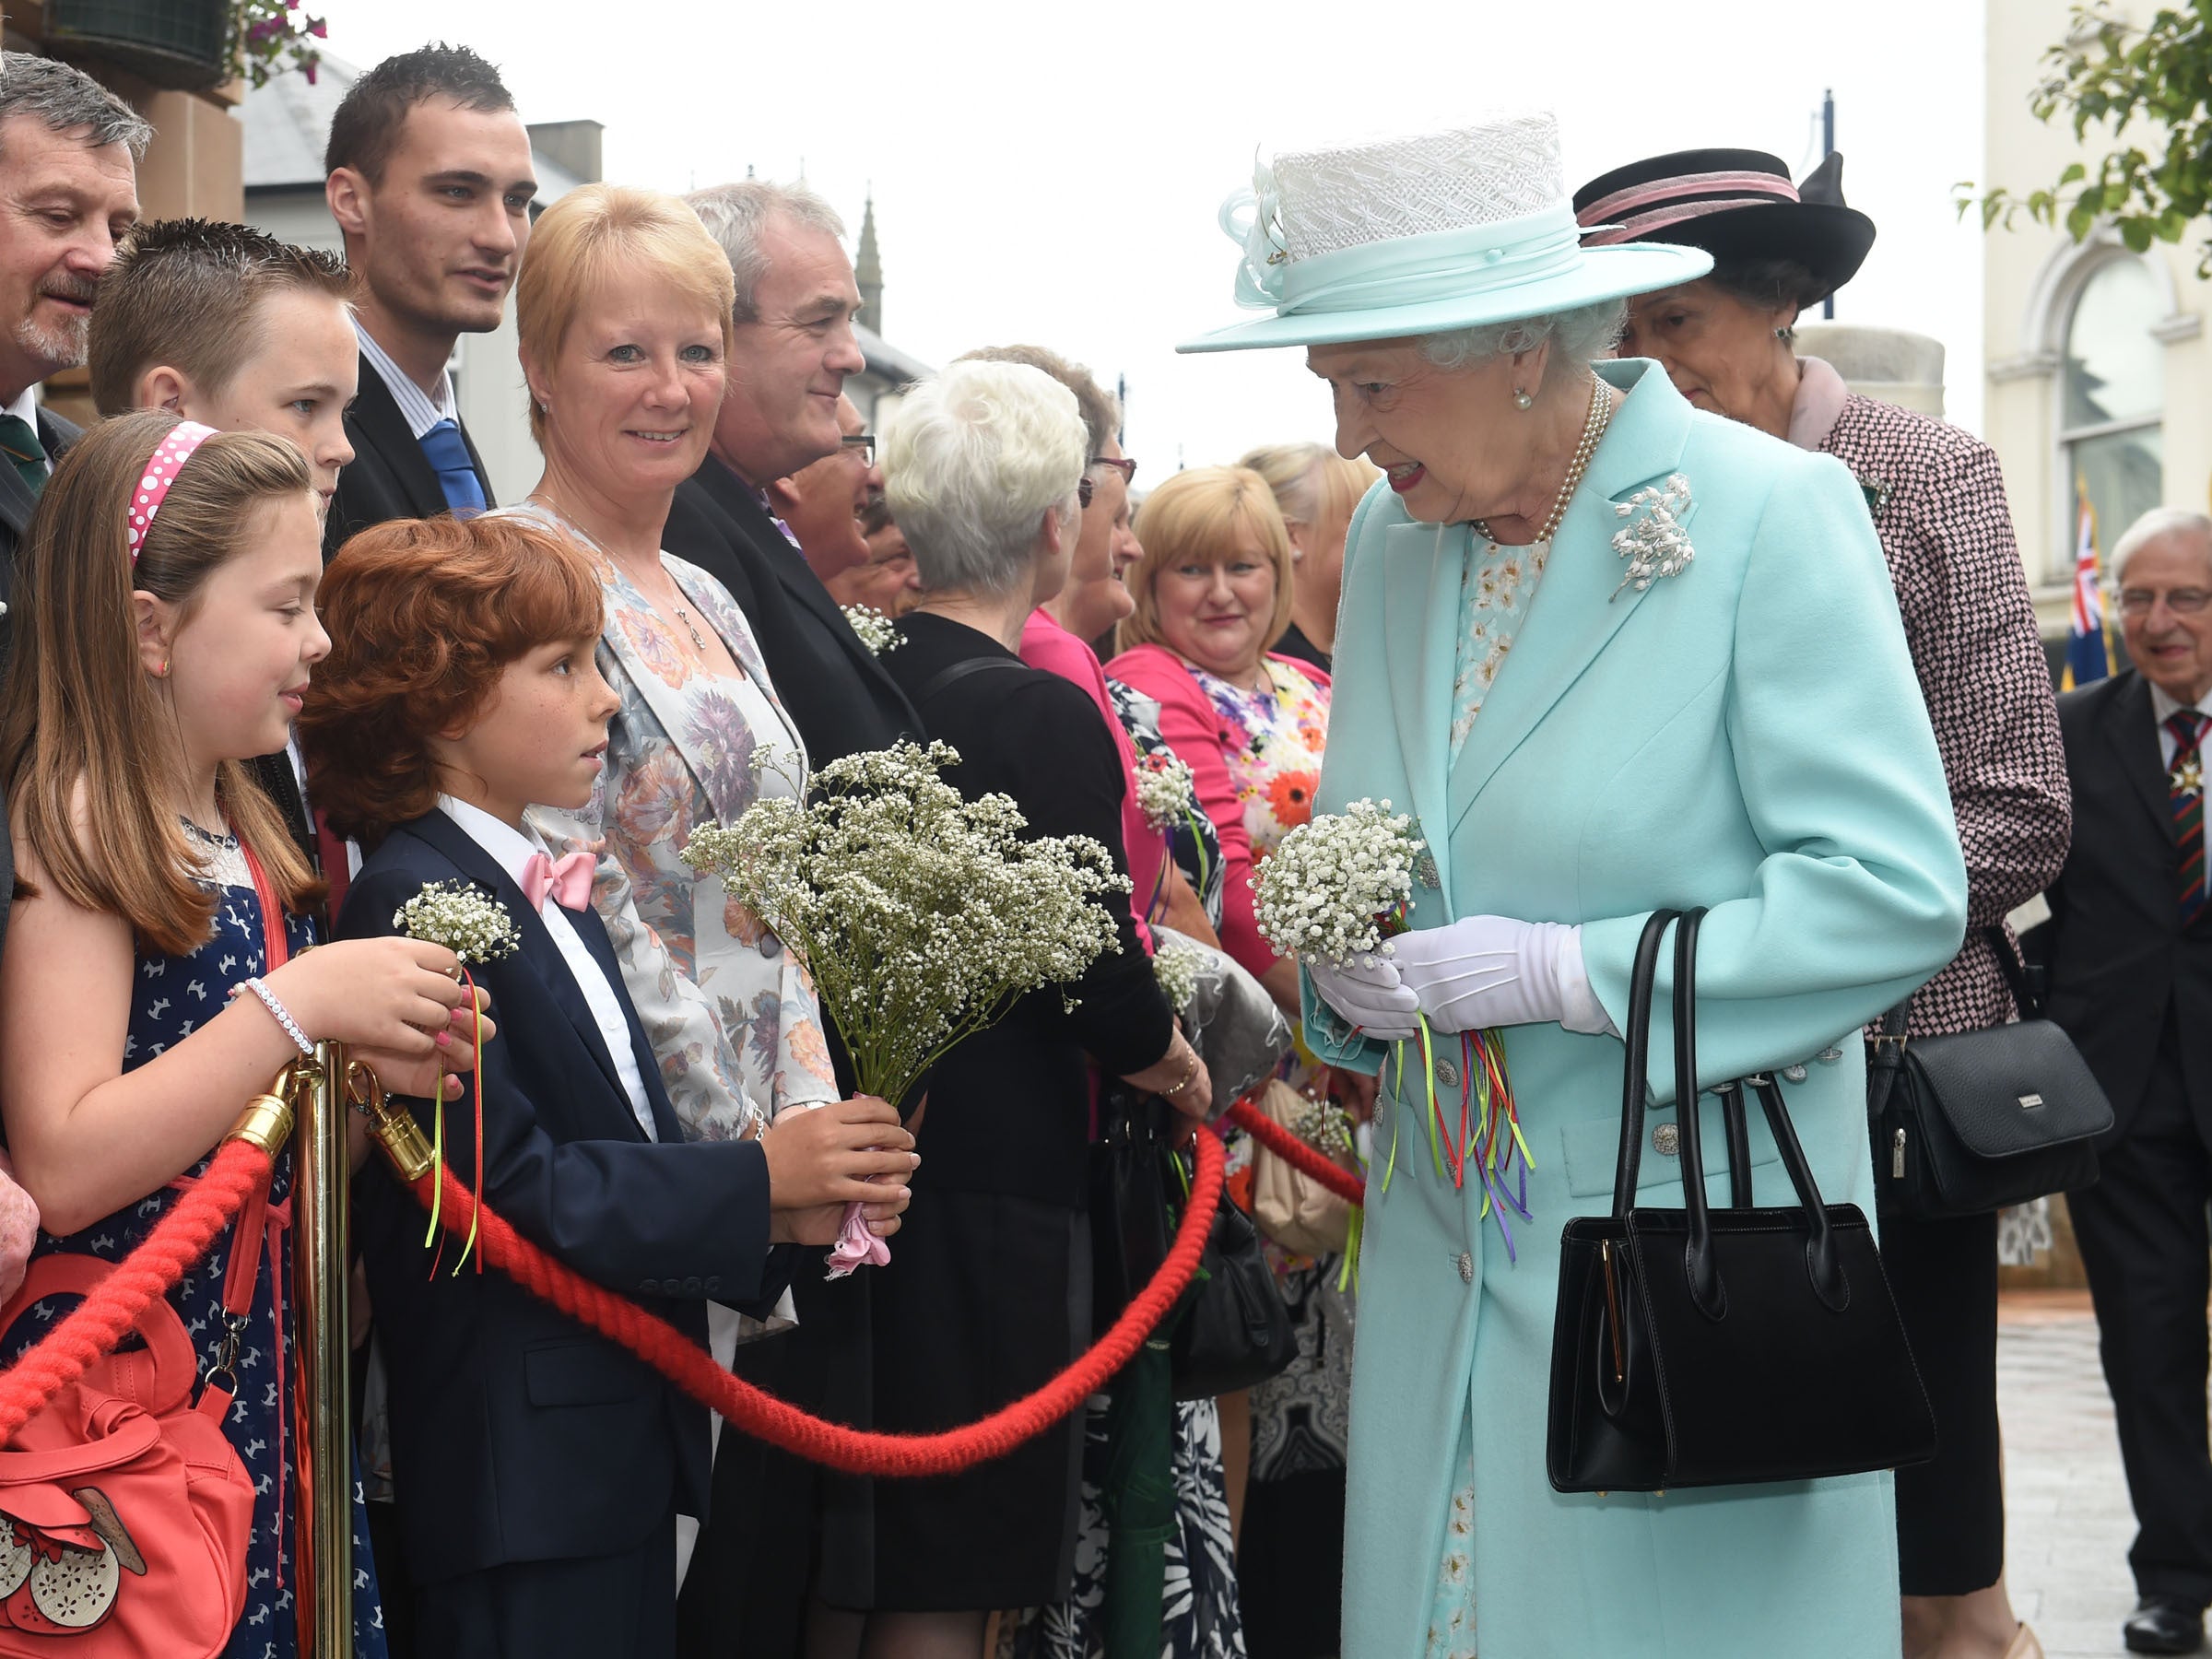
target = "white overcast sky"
x: 1051, y: 174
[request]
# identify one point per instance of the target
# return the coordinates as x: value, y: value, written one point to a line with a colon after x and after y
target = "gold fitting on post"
x: 266, y: 1122
x: 394, y: 1127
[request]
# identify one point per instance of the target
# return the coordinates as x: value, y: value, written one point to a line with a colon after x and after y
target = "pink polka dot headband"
x: 161, y: 471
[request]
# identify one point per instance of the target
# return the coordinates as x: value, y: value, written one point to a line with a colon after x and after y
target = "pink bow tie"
x: 569, y: 880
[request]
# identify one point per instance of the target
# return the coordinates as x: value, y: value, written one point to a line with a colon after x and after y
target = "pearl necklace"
x: 1593, y: 428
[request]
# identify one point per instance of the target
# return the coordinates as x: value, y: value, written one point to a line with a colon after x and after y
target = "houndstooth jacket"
x: 1938, y: 503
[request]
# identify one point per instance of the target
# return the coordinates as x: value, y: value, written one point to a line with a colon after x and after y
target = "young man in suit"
x: 2130, y: 962
x: 429, y: 178
x: 228, y: 327
x: 69, y: 153
x: 794, y: 346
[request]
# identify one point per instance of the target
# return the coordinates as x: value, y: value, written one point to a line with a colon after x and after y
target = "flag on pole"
x: 2089, y: 649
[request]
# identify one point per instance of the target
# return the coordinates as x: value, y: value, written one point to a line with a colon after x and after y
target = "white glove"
x: 1492, y: 971
x: 1367, y: 993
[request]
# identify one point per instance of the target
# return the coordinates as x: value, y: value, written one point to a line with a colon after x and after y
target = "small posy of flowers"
x: 1322, y: 1124
x: 922, y: 916
x: 268, y: 37
x: 1176, y: 967
x: 1338, y: 885
x: 874, y: 627
x: 466, y: 920
x: 1165, y: 789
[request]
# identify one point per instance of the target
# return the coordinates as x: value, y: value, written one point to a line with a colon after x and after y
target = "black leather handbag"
x: 1704, y: 1346
x: 1967, y: 1124
x: 1230, y: 1329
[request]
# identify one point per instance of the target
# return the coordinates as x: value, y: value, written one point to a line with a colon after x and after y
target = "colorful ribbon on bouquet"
x: 1489, y: 1125
x: 438, y: 1150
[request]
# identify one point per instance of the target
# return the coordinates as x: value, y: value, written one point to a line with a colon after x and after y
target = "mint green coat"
x: 1746, y: 735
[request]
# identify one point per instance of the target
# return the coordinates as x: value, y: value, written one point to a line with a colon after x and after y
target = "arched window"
x: 2113, y: 399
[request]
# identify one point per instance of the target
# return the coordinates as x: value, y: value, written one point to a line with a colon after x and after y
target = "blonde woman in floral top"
x: 1213, y: 592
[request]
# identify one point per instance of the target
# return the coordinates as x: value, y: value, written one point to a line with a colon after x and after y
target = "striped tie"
x: 2185, y: 784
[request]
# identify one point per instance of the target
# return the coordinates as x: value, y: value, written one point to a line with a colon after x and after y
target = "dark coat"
x: 988, y: 1290
x: 835, y: 690
x: 2120, y: 961
x: 16, y: 505
x: 389, y: 476
x: 517, y: 1435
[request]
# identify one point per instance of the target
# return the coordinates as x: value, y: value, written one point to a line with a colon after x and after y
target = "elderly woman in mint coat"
x: 1744, y: 733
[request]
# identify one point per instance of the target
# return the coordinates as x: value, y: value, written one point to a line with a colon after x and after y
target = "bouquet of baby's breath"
x: 873, y: 626
x: 1176, y: 967
x: 466, y: 920
x: 922, y: 916
x: 1338, y: 885
x: 1165, y: 790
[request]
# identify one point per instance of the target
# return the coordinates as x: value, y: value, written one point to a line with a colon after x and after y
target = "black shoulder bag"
x: 1701, y: 1347
x: 1969, y: 1123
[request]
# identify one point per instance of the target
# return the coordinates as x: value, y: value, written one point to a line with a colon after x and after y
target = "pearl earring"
x: 1523, y: 401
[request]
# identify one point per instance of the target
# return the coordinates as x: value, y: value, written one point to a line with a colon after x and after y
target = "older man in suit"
x: 780, y: 1535
x: 2130, y: 954
x: 68, y: 191
x: 794, y: 345
x: 429, y: 178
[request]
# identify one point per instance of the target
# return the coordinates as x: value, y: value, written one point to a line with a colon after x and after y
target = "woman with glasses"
x: 1937, y: 502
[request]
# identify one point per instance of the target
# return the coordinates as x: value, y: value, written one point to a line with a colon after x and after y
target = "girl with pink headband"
x: 156, y: 975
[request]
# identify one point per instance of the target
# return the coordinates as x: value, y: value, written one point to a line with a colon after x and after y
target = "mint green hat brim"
x: 1600, y: 274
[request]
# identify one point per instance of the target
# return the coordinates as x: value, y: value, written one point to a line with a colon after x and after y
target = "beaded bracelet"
x: 280, y: 1014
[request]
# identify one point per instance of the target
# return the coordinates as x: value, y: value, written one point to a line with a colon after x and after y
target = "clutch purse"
x: 1969, y: 1123
x: 1701, y: 1347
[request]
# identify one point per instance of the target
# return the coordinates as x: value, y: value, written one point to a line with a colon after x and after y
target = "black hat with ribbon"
x: 1734, y: 203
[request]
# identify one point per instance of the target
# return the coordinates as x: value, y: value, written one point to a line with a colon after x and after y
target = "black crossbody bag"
x: 1701, y: 1347
x: 1971, y: 1122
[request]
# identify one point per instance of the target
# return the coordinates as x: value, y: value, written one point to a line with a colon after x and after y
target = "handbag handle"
x: 1634, y: 1082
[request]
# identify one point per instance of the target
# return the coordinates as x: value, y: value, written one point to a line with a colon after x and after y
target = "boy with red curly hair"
x: 539, y: 1467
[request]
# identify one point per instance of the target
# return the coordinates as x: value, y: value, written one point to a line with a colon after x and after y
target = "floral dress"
x: 1194, y: 844
x: 171, y: 997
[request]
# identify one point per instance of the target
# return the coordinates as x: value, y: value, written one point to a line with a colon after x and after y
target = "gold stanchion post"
x: 324, y: 1551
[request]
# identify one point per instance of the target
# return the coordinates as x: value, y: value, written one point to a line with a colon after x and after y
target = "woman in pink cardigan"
x: 1212, y: 591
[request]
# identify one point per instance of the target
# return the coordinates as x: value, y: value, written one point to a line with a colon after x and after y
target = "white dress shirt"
x: 511, y: 849
x: 422, y: 411
x: 26, y: 409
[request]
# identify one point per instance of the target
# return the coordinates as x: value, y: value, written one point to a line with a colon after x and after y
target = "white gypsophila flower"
x: 1327, y: 890
x: 874, y: 627
x: 466, y: 920
x: 1176, y: 967
x: 1322, y: 1124
x: 922, y: 916
x: 1165, y: 790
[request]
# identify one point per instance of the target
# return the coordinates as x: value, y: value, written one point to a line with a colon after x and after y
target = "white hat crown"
x: 1331, y: 199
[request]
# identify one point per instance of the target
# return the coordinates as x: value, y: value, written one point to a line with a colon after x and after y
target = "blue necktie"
x: 447, y: 453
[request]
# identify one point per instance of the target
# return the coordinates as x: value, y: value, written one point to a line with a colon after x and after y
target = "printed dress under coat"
x: 171, y: 997
x: 730, y: 1013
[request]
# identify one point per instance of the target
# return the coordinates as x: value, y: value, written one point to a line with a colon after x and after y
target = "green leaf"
x: 2135, y: 233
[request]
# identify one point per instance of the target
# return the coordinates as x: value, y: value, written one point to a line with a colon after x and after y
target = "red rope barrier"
x: 854, y: 1451
x: 177, y: 1244
x: 1307, y: 1161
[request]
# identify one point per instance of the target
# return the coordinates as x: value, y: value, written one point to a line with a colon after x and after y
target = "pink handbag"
x: 125, y: 1512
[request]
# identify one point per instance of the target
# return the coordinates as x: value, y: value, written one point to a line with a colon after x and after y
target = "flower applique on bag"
x: 124, y: 1511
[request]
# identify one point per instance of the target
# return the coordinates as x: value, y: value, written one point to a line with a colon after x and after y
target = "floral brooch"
x: 1653, y: 541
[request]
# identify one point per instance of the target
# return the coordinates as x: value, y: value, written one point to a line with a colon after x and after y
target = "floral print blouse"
x: 731, y: 1014
x: 1493, y: 599
x: 1276, y: 735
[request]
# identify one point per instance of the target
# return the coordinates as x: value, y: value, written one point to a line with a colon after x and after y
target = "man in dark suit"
x: 68, y: 191
x: 794, y: 345
x: 429, y: 178
x: 780, y: 1533
x: 2130, y: 964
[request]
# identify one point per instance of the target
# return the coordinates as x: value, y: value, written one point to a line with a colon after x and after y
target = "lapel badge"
x: 1877, y: 496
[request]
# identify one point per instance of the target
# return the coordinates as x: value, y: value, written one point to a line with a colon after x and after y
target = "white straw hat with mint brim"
x: 1399, y: 237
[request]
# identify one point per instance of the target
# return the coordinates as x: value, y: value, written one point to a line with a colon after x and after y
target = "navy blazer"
x: 518, y: 1435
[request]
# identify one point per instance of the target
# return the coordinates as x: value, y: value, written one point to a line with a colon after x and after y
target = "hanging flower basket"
x: 178, y: 44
